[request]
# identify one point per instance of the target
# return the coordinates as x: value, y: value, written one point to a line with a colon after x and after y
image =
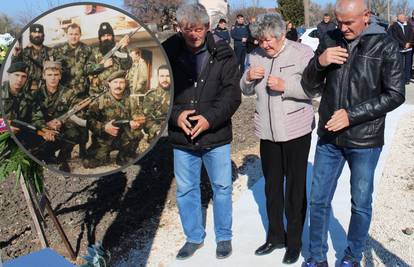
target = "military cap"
x: 52, y: 65
x: 18, y: 67
x: 36, y: 28
x: 105, y: 28
x: 116, y: 74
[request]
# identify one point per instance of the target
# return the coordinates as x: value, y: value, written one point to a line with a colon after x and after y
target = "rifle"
x: 120, y: 123
x: 118, y: 45
x: 80, y: 106
x: 29, y: 127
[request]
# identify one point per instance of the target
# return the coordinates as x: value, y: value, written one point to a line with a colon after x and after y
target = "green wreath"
x: 15, y: 160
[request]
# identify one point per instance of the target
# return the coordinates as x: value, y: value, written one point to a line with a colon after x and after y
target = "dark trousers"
x: 408, y: 62
x: 240, y: 52
x: 279, y: 160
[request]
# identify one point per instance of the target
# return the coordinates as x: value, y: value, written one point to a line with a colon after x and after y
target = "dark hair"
x: 137, y: 51
x: 75, y: 26
x: 222, y: 20
x: 239, y: 16
x: 163, y: 67
x: 326, y: 15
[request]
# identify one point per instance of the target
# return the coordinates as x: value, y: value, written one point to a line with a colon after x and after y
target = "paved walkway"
x: 249, y: 216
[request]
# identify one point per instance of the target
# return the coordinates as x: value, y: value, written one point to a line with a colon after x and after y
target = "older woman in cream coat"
x: 284, y: 121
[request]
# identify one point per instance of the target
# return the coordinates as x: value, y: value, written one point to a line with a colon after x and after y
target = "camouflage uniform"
x: 16, y: 107
x: 99, y: 73
x: 48, y: 107
x: 34, y: 59
x: 137, y: 77
x: 155, y: 108
x: 73, y: 62
x: 100, y: 112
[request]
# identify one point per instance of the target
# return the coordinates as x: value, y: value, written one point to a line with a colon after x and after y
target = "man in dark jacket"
x: 240, y: 32
x: 207, y: 93
x: 324, y: 26
x: 402, y: 31
x: 357, y: 70
x: 221, y: 31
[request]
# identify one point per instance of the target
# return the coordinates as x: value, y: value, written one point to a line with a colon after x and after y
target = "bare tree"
x: 153, y: 11
x: 380, y: 7
x: 315, y: 13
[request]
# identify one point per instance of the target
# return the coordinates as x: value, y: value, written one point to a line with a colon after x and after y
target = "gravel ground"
x: 391, y: 241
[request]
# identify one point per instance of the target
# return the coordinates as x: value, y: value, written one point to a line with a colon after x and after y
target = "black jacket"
x: 292, y: 35
x: 401, y: 37
x: 323, y: 28
x: 215, y: 94
x: 367, y: 86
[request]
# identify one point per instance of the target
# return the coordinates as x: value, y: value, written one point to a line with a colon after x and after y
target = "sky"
x: 13, y: 7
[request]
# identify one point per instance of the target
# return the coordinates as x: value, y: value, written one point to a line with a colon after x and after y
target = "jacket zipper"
x: 268, y: 103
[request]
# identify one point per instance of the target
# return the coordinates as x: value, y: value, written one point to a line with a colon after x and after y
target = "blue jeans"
x: 187, y: 168
x: 328, y: 165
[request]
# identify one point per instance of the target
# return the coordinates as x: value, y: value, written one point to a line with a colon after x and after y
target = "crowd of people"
x: 357, y: 70
x: 75, y: 94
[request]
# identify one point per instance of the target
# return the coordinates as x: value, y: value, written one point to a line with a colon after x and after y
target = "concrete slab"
x: 250, y: 221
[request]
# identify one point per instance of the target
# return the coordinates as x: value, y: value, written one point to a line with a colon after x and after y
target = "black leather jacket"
x: 367, y: 86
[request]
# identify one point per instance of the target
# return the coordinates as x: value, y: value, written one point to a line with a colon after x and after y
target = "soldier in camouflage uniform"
x: 34, y: 55
x: 73, y: 56
x: 138, y: 73
x: 51, y: 101
x: 112, y: 106
x: 17, y: 104
x: 99, y: 70
x: 157, y: 103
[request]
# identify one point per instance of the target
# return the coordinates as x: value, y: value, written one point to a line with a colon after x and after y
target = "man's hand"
x: 244, y: 39
x: 134, y: 125
x: 107, y: 63
x: 338, y: 121
x: 124, y: 41
x: 49, y: 135
x: 276, y: 84
x: 54, y: 124
x: 333, y: 55
x: 255, y: 73
x: 201, y: 126
x: 110, y: 129
x: 183, y: 123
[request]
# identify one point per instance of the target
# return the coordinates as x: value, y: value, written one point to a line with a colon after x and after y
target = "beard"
x: 37, y: 40
x: 106, y: 46
x: 165, y: 85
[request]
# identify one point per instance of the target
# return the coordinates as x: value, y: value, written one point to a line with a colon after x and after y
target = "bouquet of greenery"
x: 14, y: 160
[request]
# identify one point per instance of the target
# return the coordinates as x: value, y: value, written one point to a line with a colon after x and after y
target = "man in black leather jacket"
x: 206, y: 95
x: 357, y: 71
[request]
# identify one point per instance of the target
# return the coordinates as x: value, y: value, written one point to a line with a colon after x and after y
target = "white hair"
x: 268, y: 25
x: 192, y: 13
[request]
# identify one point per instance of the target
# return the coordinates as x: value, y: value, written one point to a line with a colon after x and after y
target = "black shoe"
x: 223, y: 249
x: 64, y: 166
x: 187, y: 250
x: 267, y: 248
x: 291, y: 256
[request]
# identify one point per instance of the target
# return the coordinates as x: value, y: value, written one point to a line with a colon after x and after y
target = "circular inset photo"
x: 86, y: 89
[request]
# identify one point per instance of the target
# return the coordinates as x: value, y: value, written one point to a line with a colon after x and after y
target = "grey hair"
x: 342, y: 8
x: 192, y: 13
x: 268, y: 25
